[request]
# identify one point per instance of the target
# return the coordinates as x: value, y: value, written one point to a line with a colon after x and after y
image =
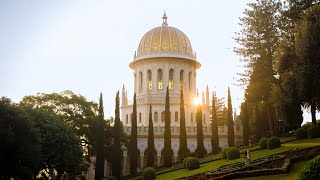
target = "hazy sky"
x: 86, y: 46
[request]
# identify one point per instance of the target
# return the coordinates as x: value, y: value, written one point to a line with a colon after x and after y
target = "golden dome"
x: 164, y: 41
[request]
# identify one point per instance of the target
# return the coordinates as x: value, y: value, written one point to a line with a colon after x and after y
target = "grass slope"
x: 257, y: 154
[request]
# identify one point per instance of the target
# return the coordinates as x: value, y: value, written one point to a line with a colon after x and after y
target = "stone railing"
x: 165, y: 53
x: 191, y: 130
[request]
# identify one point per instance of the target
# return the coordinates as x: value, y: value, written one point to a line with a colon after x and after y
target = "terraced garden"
x: 258, y: 154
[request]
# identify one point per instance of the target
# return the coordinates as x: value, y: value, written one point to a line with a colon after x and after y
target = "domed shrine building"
x: 165, y: 58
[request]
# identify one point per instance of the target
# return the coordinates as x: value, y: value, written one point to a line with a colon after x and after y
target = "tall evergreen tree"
x: 167, y: 151
x: 230, y: 122
x: 258, y: 122
x: 133, y: 149
x: 150, y: 150
x: 99, y: 171
x: 183, y: 149
x: 214, y: 127
x: 200, y: 151
x: 258, y: 41
x: 307, y: 43
x: 116, y: 162
x: 245, y: 123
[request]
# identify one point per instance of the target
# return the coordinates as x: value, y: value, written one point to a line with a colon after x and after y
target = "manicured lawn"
x: 257, y: 154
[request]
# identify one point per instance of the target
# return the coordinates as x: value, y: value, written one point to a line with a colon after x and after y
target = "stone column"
x: 105, y: 168
x: 159, y: 160
x: 175, y: 158
x: 141, y: 160
x: 124, y: 165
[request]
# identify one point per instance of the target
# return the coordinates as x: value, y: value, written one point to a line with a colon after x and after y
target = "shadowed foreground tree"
x: 116, y: 163
x: 167, y: 151
x: 183, y: 149
x: 20, y: 143
x: 133, y: 149
x: 61, y: 150
x: 214, y: 127
x: 150, y: 150
x: 76, y: 111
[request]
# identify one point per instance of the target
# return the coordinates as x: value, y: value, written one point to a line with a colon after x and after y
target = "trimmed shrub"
x: 109, y: 178
x: 193, y: 163
x: 273, y: 142
x: 263, y: 143
x: 311, y: 170
x: 185, y: 162
x: 233, y: 153
x: 149, y: 173
x: 314, y: 131
x: 306, y: 126
x: 224, y: 153
x: 301, y: 133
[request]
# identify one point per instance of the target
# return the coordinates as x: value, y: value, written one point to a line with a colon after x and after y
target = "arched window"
x: 181, y: 79
x: 127, y: 119
x: 139, y: 117
x: 171, y: 79
x: 149, y: 80
x: 176, y: 116
x: 155, y: 116
x: 160, y: 79
x: 190, y: 76
x: 163, y: 116
x: 191, y: 117
x: 140, y: 81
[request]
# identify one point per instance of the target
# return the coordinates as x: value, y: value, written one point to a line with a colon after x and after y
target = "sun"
x: 196, y: 101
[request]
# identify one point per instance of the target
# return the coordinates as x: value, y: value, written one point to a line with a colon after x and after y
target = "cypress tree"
x: 168, y: 153
x: 259, y: 124
x: 133, y: 139
x: 99, y: 171
x: 200, y: 151
x: 230, y: 122
x: 116, y: 163
x: 245, y: 122
x: 183, y: 149
x: 214, y: 127
x: 150, y: 150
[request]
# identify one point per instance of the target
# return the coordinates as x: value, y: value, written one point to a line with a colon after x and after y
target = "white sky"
x: 86, y: 46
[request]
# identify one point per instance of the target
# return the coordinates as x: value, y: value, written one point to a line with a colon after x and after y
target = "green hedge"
x: 224, y: 153
x: 109, y: 178
x: 233, y: 153
x: 273, y: 142
x: 185, y: 162
x: 193, y: 163
x: 263, y: 143
x: 149, y: 173
x: 301, y: 133
x: 314, y: 131
x: 311, y: 170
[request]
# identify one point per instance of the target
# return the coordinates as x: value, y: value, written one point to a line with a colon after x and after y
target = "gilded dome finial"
x: 164, y: 18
